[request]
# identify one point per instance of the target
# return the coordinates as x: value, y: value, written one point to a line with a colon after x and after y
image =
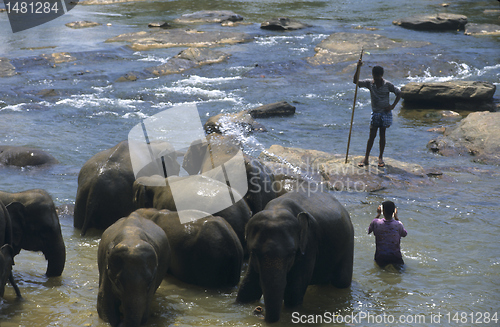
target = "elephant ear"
x: 304, y: 219
x: 17, y: 213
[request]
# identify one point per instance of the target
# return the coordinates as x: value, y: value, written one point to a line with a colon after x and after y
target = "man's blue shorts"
x: 381, y: 119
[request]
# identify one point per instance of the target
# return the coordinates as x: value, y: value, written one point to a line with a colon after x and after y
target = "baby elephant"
x: 133, y: 259
x: 205, y: 251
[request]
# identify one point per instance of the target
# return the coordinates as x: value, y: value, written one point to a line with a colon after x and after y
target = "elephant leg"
x: 14, y: 285
x: 342, y: 275
x: 250, y: 289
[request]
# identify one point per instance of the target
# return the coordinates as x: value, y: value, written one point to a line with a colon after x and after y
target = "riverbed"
x: 452, y: 251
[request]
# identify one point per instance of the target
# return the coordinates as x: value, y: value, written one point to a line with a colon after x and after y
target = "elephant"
x: 20, y: 156
x: 36, y: 227
x: 221, y: 149
x: 6, y: 250
x: 299, y: 239
x: 104, y: 192
x: 205, y: 252
x: 193, y: 192
x: 133, y: 258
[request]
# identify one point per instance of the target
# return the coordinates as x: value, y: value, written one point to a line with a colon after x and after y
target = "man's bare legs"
x: 382, y: 147
x: 369, y: 145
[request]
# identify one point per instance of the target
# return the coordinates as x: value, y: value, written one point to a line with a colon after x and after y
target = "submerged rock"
x: 457, y: 95
x: 283, y: 24
x: 59, y: 57
x: 159, y: 24
x: 20, y: 156
x: 209, y: 16
x: 104, y: 2
x: 282, y: 108
x: 82, y: 24
x: 342, y: 46
x: 6, y: 68
x: 229, y: 124
x: 162, y: 38
x: 482, y: 29
x: 478, y: 135
x: 438, y: 22
x: 186, y: 59
x: 322, y: 169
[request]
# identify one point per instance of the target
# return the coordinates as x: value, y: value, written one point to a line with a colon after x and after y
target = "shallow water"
x: 452, y: 251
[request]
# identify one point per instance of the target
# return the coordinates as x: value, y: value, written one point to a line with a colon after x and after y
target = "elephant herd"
x: 290, y: 239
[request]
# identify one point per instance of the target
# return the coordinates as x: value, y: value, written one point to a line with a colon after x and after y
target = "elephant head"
x: 281, y: 250
x: 133, y: 258
x: 132, y: 272
x: 36, y: 227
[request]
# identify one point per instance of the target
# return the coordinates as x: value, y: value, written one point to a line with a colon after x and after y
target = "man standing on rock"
x: 381, y: 117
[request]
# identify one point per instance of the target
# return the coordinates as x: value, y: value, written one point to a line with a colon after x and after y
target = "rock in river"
x: 186, y: 59
x: 209, y: 16
x: 6, y: 68
x: 236, y: 123
x: 161, y: 38
x: 438, y: 22
x: 482, y: 29
x: 457, y: 95
x: 82, y: 24
x: 279, y: 109
x: 343, y: 46
x: 282, y: 24
x: 291, y: 165
x: 478, y: 134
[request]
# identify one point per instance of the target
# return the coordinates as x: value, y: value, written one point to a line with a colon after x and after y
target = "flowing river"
x: 452, y: 251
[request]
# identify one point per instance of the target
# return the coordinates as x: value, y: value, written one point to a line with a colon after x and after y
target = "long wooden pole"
x: 353, y: 105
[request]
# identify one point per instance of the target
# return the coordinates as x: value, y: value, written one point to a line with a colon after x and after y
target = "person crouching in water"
x: 388, y: 232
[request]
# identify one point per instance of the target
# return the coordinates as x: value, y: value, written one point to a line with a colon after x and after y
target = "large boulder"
x: 186, y: 59
x: 458, y: 95
x: 344, y: 46
x: 299, y: 168
x: 278, y: 109
x: 478, y: 135
x: 282, y: 24
x: 20, y: 156
x: 178, y: 37
x: 438, y: 22
x: 209, y: 16
x: 482, y: 29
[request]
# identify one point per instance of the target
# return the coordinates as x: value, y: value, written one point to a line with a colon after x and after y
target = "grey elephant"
x: 299, y: 239
x: 205, y: 252
x: 6, y: 250
x: 193, y: 192
x: 36, y: 227
x: 20, y: 156
x: 203, y: 157
x: 104, y: 192
x: 133, y: 258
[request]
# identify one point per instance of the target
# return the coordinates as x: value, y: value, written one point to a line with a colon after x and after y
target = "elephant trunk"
x: 135, y: 310
x: 273, y: 281
x: 56, y: 256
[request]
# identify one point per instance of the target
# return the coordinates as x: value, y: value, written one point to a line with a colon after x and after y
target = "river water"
x: 452, y: 250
